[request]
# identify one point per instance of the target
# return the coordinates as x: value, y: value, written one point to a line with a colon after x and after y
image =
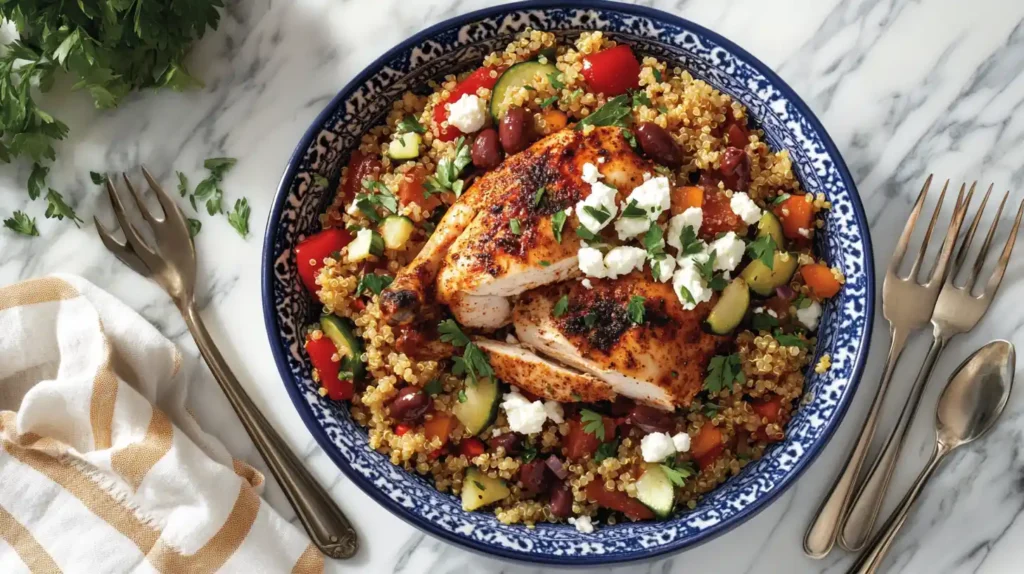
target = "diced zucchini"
x: 342, y: 333
x: 655, y: 490
x: 366, y: 243
x: 519, y: 75
x: 730, y: 308
x: 770, y: 225
x: 396, y: 230
x: 549, y: 53
x: 763, y: 280
x: 479, y: 490
x: 480, y: 407
x: 405, y: 146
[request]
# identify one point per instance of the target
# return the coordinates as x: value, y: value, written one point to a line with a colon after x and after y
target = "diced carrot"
x: 410, y: 189
x: 819, y: 278
x: 580, y: 443
x: 441, y: 426
x: 796, y: 215
x: 719, y: 216
x: 554, y: 120
x: 707, y: 445
x: 472, y: 446
x: 686, y: 197
x: 618, y: 500
x: 768, y: 408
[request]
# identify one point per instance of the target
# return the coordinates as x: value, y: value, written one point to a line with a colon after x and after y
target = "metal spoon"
x: 971, y: 402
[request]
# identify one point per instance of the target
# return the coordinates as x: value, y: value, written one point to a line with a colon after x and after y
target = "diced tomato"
x: 719, y: 216
x: 401, y: 429
x: 796, y: 215
x: 481, y: 78
x: 616, y: 500
x: 360, y: 167
x: 410, y: 189
x: 707, y: 445
x: 320, y: 353
x: 310, y: 253
x: 580, y: 443
x: 612, y: 71
x: 768, y: 408
x: 686, y: 197
x: 820, y: 280
x: 737, y: 135
x: 441, y: 426
x: 472, y: 446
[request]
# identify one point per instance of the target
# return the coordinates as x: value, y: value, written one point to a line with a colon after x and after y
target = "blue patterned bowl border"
x: 458, y: 44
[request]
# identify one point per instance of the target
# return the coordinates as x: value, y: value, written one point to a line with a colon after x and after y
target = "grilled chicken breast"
x: 660, y: 362
x: 521, y: 367
x: 498, y: 239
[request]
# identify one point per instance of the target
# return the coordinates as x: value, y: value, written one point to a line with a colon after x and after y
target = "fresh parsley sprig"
x: 473, y: 361
x: 635, y: 309
x: 723, y: 371
x: 593, y: 423
x: 615, y: 112
x: 446, y: 176
x: 22, y: 223
x: 763, y: 250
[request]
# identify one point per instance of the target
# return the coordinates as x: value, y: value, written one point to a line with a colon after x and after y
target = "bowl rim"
x: 271, y: 321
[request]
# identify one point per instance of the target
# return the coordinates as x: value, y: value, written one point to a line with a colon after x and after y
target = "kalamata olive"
x: 650, y: 419
x: 534, y: 476
x: 561, y: 501
x: 514, y: 130
x: 735, y: 169
x: 508, y: 441
x: 658, y: 145
x: 410, y: 405
x: 486, y: 151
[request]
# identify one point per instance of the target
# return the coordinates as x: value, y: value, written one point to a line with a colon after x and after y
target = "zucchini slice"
x: 479, y: 490
x: 763, y: 280
x: 655, y: 490
x: 731, y: 308
x: 342, y: 333
x: 481, y: 406
x: 396, y: 230
x: 519, y: 75
x: 405, y: 146
x: 364, y: 245
x: 770, y: 225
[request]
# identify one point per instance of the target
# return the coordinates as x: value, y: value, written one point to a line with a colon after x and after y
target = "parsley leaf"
x: 446, y: 176
x: 374, y: 282
x: 631, y: 139
x: 97, y: 178
x: 640, y: 99
x: 218, y: 166
x: 56, y: 208
x: 802, y: 301
x: 557, y: 223
x: 615, y: 112
x: 587, y: 235
x: 718, y: 283
x: 37, y: 181
x: 239, y: 217
x: 606, y: 450
x: 635, y: 309
x: 555, y: 82
x: 723, y: 371
x: 678, y: 473
x: 561, y: 306
x: 763, y: 249
x: 789, y: 340
x: 194, y: 227
x: 763, y: 322
x: 434, y: 387
x: 707, y: 268
x: 654, y: 242
x: 548, y: 102
x: 529, y: 452
x: 378, y: 195
x: 410, y: 124
x: 590, y: 319
x: 657, y: 74
x: 691, y: 244
x: 780, y: 198
x: 473, y: 361
x: 632, y: 210
x: 600, y: 215
x: 538, y: 196
x: 462, y: 396
x: 686, y: 295
x: 209, y: 189
x: 515, y: 226
x: 183, y: 186
x: 593, y: 423
x: 21, y: 223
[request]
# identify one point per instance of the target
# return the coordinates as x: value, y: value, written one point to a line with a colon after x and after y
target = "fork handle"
x: 328, y: 528
x: 821, y: 535
x: 871, y: 495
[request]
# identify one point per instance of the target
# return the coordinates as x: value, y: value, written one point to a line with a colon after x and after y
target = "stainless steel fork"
x: 172, y: 264
x: 957, y: 310
x: 907, y: 304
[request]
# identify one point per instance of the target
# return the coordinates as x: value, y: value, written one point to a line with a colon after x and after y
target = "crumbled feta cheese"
x: 809, y: 315
x: 582, y: 524
x: 600, y: 159
x: 468, y: 114
x: 773, y: 313
x: 601, y: 198
x: 624, y: 259
x: 554, y: 411
x: 628, y: 227
x: 681, y: 441
x: 687, y: 276
x: 523, y: 416
x: 745, y: 207
x: 591, y: 262
x: 653, y: 196
x: 586, y: 284
x: 590, y: 173
x: 496, y: 431
x: 728, y: 250
x: 692, y: 217
x: 662, y: 268
x: 647, y: 175
x: 657, y: 446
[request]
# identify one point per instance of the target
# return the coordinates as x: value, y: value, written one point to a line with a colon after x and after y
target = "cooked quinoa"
x: 697, y: 117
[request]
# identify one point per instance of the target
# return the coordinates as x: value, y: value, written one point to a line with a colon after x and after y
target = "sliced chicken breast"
x: 523, y: 368
x: 660, y: 362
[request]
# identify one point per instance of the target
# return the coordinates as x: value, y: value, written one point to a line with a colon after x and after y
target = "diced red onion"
x: 557, y: 467
x: 785, y: 292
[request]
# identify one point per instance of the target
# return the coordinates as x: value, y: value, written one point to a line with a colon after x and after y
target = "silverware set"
x: 909, y: 303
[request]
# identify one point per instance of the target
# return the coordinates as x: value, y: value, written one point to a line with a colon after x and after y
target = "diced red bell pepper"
x: 410, y: 190
x: 401, y: 429
x: 580, y: 443
x: 480, y: 78
x: 612, y: 71
x: 311, y: 251
x: 719, y: 216
x: 616, y: 500
x: 707, y: 445
x: 320, y: 353
x: 796, y: 215
x: 472, y: 446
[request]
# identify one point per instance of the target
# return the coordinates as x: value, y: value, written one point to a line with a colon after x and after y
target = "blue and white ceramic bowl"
x: 459, y: 44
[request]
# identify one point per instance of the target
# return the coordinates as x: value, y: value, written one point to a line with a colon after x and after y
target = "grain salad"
x: 571, y: 285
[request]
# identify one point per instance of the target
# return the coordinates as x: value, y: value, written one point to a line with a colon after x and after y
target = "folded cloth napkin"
x: 101, y: 467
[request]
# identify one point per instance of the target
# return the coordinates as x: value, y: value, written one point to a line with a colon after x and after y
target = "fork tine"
x: 138, y: 201
x: 908, y: 229
x: 916, y: 267
x: 959, y: 212
x: 1004, y: 257
x: 966, y: 245
x: 979, y: 261
x: 120, y: 250
x: 130, y: 233
x: 165, y: 200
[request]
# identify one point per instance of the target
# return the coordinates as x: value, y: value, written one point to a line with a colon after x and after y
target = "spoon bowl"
x: 975, y: 395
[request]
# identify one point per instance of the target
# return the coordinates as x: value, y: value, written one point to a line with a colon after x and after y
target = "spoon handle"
x: 871, y: 560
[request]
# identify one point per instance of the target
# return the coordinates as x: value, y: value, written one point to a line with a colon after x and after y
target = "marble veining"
x: 904, y: 89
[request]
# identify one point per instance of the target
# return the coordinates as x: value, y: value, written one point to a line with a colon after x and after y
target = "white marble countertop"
x: 904, y: 88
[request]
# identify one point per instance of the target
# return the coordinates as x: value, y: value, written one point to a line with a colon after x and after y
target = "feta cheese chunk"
x: 554, y: 411
x: 657, y: 446
x: 687, y: 277
x: 601, y: 198
x: 590, y: 173
x: 745, y: 207
x: 582, y: 524
x: 653, y: 196
x: 624, y: 259
x: 681, y: 441
x: 591, y: 262
x: 468, y: 114
x: 692, y: 217
x: 629, y: 227
x: 728, y: 250
x: 524, y: 417
x: 662, y: 268
x: 809, y: 315
x: 586, y: 284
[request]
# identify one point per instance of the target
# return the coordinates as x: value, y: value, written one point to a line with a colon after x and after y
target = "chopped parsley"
x: 636, y: 309
x: 707, y: 268
x: 544, y: 263
x: 446, y: 176
x: 593, y: 423
x: 780, y: 198
x: 410, y: 124
x: 630, y: 138
x: 377, y: 195
x: 657, y: 74
x: 718, y: 283
x: 615, y: 112
x: 679, y: 473
x: 433, y: 387
x: 688, y: 239
x: 640, y: 99
x: 239, y: 217
x: 473, y: 361
x: 587, y: 235
x: 462, y: 396
x: 763, y: 250
x: 590, y: 319
x: 194, y: 227
x: 561, y: 306
x: 557, y: 223
x: 606, y: 450
x: 789, y: 340
x: 654, y: 242
x: 515, y: 226
x: 764, y: 322
x: 374, y: 282
x: 600, y: 215
x: 686, y: 295
x: 529, y: 453
x: 539, y: 196
x: 802, y: 301
x: 22, y: 223
x: 723, y: 371
x: 632, y: 210
x: 555, y: 82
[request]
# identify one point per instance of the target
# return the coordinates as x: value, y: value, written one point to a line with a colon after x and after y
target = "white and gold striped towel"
x: 101, y: 468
